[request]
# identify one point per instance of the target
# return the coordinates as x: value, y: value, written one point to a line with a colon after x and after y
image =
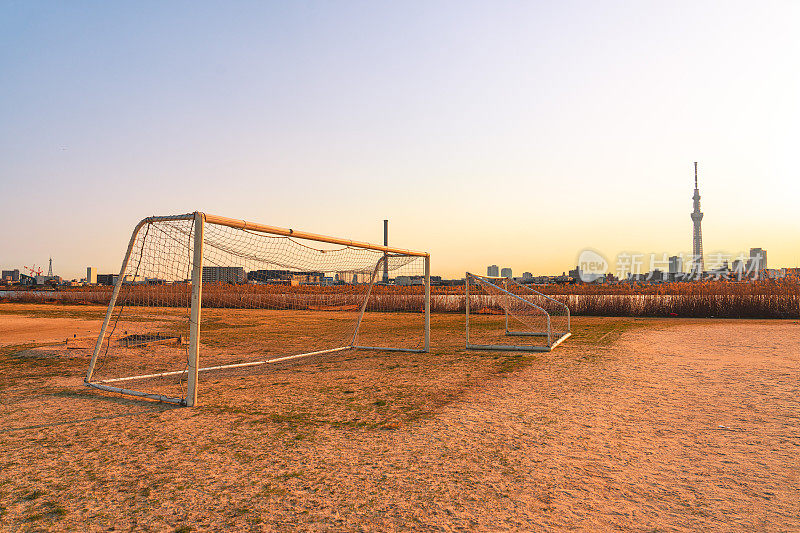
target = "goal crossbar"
x: 285, y: 232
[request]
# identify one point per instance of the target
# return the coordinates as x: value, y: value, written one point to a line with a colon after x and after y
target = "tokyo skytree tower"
x: 698, y: 266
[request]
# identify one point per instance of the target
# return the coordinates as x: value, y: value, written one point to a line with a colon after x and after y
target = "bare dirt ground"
x: 632, y: 424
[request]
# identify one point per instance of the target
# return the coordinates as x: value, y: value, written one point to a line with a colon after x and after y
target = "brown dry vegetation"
x: 642, y: 424
x: 720, y: 299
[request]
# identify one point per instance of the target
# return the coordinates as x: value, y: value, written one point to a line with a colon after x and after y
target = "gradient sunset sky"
x: 513, y: 133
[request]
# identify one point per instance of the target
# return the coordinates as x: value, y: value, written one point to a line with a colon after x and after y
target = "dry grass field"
x: 640, y: 424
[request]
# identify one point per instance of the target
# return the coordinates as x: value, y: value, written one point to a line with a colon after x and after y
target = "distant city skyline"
x: 521, y: 133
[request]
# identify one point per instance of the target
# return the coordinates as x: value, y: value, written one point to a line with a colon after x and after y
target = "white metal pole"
x: 366, y: 300
x: 428, y: 303
x: 549, y: 336
x: 505, y: 286
x: 466, y: 287
x: 194, y: 321
x: 385, y: 254
x: 99, y: 345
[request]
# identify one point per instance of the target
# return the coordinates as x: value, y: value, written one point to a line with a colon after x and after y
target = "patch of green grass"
x: 56, y: 511
x: 606, y: 332
x: 50, y: 510
x: 269, y: 489
x: 13, y: 349
x: 355, y: 423
x: 72, y: 394
x: 514, y: 362
x: 57, y: 311
x: 293, y: 419
x: 289, y: 475
x: 32, y: 495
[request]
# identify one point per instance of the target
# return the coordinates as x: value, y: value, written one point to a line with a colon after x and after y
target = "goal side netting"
x: 503, y: 314
x: 200, y: 295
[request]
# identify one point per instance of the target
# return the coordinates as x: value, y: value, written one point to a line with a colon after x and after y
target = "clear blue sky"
x: 514, y: 133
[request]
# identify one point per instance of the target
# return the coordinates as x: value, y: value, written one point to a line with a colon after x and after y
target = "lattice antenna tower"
x: 698, y: 264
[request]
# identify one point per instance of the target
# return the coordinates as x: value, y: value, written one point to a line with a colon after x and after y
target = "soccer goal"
x: 237, y: 296
x: 501, y: 309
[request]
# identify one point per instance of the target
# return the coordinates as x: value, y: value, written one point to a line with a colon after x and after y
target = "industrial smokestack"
x: 385, y: 256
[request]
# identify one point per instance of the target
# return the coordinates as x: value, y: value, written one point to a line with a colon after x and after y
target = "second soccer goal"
x: 503, y: 314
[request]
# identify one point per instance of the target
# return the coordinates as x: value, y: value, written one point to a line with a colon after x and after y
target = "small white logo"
x: 591, y: 265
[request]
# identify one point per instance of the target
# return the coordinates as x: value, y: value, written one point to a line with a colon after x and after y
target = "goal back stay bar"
x: 554, y: 338
x: 200, y: 219
x: 506, y: 282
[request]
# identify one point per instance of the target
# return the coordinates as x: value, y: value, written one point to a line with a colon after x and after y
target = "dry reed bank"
x: 719, y: 299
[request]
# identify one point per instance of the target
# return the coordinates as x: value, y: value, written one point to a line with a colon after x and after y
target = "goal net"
x: 201, y: 295
x: 503, y: 314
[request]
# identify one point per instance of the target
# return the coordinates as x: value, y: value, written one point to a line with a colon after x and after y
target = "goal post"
x: 196, y: 308
x: 199, y: 293
x: 499, y: 308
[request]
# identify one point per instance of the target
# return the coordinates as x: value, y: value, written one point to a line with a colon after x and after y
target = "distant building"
x: 493, y: 271
x: 450, y: 282
x: 738, y: 269
x: 220, y: 274
x: 675, y: 264
x: 411, y: 280
x: 11, y: 275
x: 48, y: 280
x: 111, y: 279
x: 267, y: 276
x: 527, y: 276
x: 107, y: 279
x: 758, y: 260
x: 290, y: 276
x: 91, y: 275
x: 506, y: 273
x: 307, y: 278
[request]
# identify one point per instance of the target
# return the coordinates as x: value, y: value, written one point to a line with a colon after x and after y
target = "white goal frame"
x: 554, y: 338
x: 193, y: 370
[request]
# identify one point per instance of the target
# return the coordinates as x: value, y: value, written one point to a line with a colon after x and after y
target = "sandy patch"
x: 16, y: 329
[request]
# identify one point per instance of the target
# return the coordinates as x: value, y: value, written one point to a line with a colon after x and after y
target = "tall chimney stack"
x: 385, y: 256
